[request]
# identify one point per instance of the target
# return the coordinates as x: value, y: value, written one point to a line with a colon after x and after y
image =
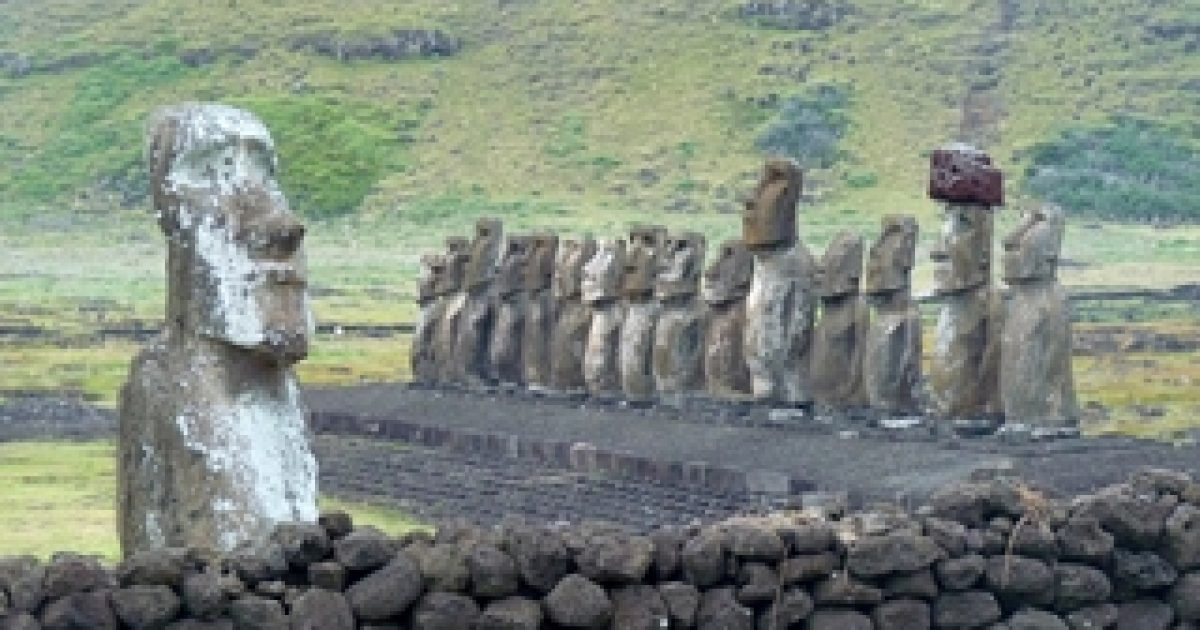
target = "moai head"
x: 682, y: 262
x: 891, y: 258
x: 728, y: 278
x: 510, y: 277
x: 483, y: 253
x: 641, y: 260
x: 448, y: 267
x: 841, y: 267
x: 426, y: 280
x: 237, y: 272
x: 769, y: 218
x: 1031, y: 250
x: 960, y: 173
x: 539, y: 270
x: 568, y: 266
x: 602, y: 273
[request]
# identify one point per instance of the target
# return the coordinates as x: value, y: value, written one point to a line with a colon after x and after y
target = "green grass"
x: 60, y: 496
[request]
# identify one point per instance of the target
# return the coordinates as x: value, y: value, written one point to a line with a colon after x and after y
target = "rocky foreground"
x: 981, y: 555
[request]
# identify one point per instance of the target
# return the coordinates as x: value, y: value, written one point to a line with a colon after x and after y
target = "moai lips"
x: 892, y: 354
x: 679, y: 333
x: 539, y: 310
x: 839, y: 338
x: 506, y: 364
x: 960, y: 173
x: 573, y: 318
x: 641, y: 312
x: 726, y: 284
x: 769, y: 217
x: 601, y: 290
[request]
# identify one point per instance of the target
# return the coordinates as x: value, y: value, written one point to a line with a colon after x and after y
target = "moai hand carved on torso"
x: 424, y: 370
x: 601, y: 290
x: 964, y: 367
x: 573, y: 318
x: 840, y: 336
x: 892, y: 357
x: 1036, y: 383
x: 506, y: 365
x: 214, y: 447
x: 726, y: 284
x: 641, y: 312
x: 679, y: 333
x: 453, y: 304
x: 479, y: 306
x: 780, y: 307
x: 539, y: 311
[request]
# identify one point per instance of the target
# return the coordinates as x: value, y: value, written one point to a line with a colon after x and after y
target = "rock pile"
x: 991, y: 554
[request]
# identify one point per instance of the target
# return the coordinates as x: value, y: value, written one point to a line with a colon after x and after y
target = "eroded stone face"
x: 839, y: 339
x: 423, y: 368
x: 453, y: 299
x: 726, y: 284
x: 602, y: 273
x: 539, y: 310
x: 728, y: 278
x: 573, y: 318
x: 214, y: 446
x: 962, y: 255
x: 841, y: 266
x: 769, y: 217
x: 682, y: 261
x: 483, y: 253
x: 678, y: 354
x: 892, y: 353
x: 1031, y: 250
x: 601, y: 288
x: 506, y: 362
x: 891, y: 257
x: 471, y: 353
x: 641, y: 261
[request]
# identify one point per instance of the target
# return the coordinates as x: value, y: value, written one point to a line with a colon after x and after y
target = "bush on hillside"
x: 809, y: 126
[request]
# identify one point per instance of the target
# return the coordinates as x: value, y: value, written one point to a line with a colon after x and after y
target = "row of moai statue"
x: 640, y: 320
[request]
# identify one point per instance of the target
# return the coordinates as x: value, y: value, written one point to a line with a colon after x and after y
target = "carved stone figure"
x: 453, y: 299
x: 479, y: 304
x: 424, y: 368
x: 1036, y: 383
x: 573, y: 318
x: 679, y: 333
x: 892, y: 357
x: 964, y: 366
x: 601, y: 289
x: 780, y: 307
x: 539, y: 311
x: 641, y: 312
x: 840, y: 336
x: 506, y: 364
x: 726, y: 284
x: 214, y: 447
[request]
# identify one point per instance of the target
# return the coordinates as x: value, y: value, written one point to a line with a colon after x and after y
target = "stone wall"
x: 983, y: 555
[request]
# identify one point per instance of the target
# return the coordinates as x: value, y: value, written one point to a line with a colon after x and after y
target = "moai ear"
x: 160, y: 156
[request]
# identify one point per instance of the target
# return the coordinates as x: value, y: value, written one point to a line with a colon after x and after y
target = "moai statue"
x: 781, y: 305
x: 424, y: 369
x: 479, y: 304
x: 892, y: 356
x: 964, y: 366
x: 453, y: 298
x: 679, y: 334
x: 1036, y: 384
x: 726, y: 284
x: 841, y: 333
x: 641, y: 312
x: 539, y: 311
x: 506, y: 365
x: 601, y: 291
x: 573, y: 318
x: 214, y: 446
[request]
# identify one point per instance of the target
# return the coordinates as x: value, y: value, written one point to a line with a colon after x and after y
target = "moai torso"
x: 1036, y: 384
x: 780, y: 307
x: 601, y: 291
x: 892, y: 354
x: 474, y: 332
x: 507, y: 367
x: 214, y: 447
x: 641, y: 313
x: 424, y: 369
x: 539, y: 311
x: 964, y: 366
x: 573, y: 318
x: 679, y: 333
x: 726, y: 283
x: 841, y: 332
x: 453, y: 304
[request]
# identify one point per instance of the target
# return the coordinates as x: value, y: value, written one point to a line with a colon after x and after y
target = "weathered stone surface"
x: 919, y: 584
x: 450, y: 309
x: 769, y: 216
x: 960, y: 173
x: 758, y: 584
x: 720, y: 610
x: 20, y: 621
x: 80, y: 611
x: 725, y: 286
x: 424, y: 367
x: 330, y: 576
x: 1141, y: 571
x: 842, y: 590
x: 471, y: 355
x: 444, y: 568
x: 902, y: 614
x: 573, y: 319
x: 839, y: 338
x: 541, y: 556
x: 319, y: 609
x: 507, y: 366
x: 875, y: 556
x: 1182, y: 537
x: 616, y: 558
x: 1036, y: 384
x: 639, y: 607
x: 214, y: 447
x: 511, y: 613
x: 145, y: 607
x: 1135, y: 521
x: 678, y: 355
x: 257, y: 613
x: 1036, y: 620
x: 204, y: 597
x: 808, y: 568
x: 704, y: 559
x: 445, y: 611
x: 365, y: 549
x: 493, y: 572
x: 1144, y: 614
x: 641, y: 312
x: 539, y: 310
x: 1093, y: 617
x: 892, y: 356
x: 71, y: 573
x: 683, y: 602
x: 1082, y: 539
x: 1020, y: 579
x: 832, y: 619
x: 577, y: 602
x: 165, y: 566
x: 960, y: 574
x: 755, y: 542
x: 969, y: 609
x: 1185, y: 598
x: 388, y: 591
x: 1079, y: 586
x: 601, y: 288
x: 21, y: 578
x: 301, y: 543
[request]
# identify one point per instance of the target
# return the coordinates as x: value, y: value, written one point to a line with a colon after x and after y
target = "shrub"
x: 809, y: 127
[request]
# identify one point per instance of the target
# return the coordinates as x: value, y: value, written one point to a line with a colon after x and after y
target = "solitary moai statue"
x: 679, y: 333
x: 841, y: 332
x: 453, y: 298
x: 424, y: 369
x: 601, y: 289
x: 781, y: 305
x: 506, y: 365
x: 892, y: 357
x: 1036, y: 384
x: 214, y: 445
x: 539, y: 311
x: 726, y: 284
x: 641, y: 312
x: 964, y: 366
x: 479, y: 306
x: 573, y: 318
